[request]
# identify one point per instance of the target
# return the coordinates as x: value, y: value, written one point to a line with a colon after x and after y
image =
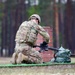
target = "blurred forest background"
x: 58, y: 14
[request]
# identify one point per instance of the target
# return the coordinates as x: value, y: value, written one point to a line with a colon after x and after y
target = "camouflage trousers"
x: 24, y: 52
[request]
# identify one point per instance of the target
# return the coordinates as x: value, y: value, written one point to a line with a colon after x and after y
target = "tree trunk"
x: 56, y: 26
x: 69, y: 30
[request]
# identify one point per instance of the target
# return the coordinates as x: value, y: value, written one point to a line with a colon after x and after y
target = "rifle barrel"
x: 55, y: 49
x: 51, y: 48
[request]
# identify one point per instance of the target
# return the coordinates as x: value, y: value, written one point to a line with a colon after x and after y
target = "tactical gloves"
x: 43, y: 46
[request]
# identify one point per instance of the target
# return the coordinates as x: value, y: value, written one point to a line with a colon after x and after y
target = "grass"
x: 39, y: 70
x: 36, y: 69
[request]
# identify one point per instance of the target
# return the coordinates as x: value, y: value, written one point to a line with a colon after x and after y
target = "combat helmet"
x: 36, y: 16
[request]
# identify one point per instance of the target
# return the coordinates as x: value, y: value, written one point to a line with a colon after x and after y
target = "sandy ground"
x: 40, y: 70
x: 5, y: 60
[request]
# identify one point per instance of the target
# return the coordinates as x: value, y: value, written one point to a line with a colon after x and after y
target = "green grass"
x: 55, y: 69
x: 33, y: 65
x: 36, y: 69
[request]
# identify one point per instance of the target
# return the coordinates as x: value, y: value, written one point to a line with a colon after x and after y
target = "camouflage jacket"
x: 28, y: 32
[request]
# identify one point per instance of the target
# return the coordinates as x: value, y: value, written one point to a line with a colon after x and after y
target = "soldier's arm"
x: 45, y: 35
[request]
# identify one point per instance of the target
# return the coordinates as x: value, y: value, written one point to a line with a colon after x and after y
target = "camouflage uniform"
x: 25, y: 40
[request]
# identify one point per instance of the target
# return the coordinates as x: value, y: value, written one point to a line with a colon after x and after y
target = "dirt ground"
x: 37, y: 70
x: 5, y: 60
x: 41, y: 70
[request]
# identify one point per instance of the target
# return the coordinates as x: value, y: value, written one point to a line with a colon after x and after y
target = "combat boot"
x: 19, y: 58
x: 14, y: 57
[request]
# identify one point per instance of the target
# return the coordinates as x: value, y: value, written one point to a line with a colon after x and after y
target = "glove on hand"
x: 43, y: 44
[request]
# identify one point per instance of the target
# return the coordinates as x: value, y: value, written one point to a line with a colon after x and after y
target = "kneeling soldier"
x: 26, y: 37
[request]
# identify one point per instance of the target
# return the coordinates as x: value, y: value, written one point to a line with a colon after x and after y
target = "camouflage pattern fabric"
x: 26, y: 37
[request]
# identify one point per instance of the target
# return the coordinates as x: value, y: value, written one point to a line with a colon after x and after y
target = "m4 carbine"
x: 46, y: 48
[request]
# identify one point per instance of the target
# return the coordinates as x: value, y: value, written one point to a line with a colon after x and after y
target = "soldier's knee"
x: 24, y: 57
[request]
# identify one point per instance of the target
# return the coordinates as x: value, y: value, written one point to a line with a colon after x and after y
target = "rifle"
x: 63, y: 55
x: 46, y: 48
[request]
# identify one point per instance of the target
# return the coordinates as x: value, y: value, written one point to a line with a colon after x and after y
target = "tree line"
x: 58, y: 15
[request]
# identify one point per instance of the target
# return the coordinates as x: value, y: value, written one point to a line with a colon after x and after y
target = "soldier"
x: 26, y: 37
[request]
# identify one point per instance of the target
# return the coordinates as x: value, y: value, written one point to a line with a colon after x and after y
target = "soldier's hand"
x: 43, y: 44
